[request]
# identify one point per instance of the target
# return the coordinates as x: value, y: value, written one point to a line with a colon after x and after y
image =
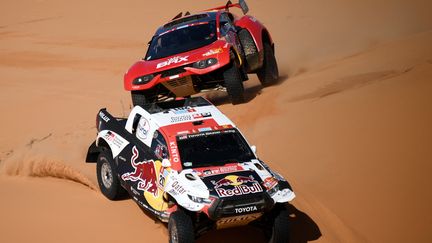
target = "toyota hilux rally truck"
x: 188, y: 165
x: 214, y: 49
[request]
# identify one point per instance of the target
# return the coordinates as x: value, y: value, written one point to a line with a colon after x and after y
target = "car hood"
x: 218, y: 49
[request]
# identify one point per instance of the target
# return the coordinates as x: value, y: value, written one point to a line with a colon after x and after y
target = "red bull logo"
x: 239, y: 184
x: 144, y: 172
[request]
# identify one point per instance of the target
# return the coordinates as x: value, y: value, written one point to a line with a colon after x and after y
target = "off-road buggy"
x: 209, y: 50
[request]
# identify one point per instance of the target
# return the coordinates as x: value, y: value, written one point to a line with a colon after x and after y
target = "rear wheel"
x: 269, y: 72
x: 180, y: 228
x: 234, y: 84
x: 108, y: 181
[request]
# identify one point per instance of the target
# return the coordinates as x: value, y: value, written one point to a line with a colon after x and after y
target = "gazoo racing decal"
x: 144, y: 172
x: 176, y: 59
x: 239, y: 186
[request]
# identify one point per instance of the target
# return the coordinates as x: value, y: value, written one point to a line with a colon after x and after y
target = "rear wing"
x: 241, y: 4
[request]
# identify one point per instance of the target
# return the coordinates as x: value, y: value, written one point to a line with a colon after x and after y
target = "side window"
x: 159, y: 146
x: 225, y: 24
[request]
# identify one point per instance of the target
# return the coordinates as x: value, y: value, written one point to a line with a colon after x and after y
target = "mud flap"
x: 92, y: 153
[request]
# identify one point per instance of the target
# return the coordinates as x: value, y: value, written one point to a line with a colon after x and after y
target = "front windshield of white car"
x: 213, y: 148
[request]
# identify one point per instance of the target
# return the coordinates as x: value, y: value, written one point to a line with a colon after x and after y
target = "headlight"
x: 143, y: 79
x: 205, y: 63
x: 199, y: 199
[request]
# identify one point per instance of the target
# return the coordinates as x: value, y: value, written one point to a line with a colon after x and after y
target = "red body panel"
x: 254, y: 27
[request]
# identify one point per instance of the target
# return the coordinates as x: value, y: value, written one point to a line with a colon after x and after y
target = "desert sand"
x: 349, y: 122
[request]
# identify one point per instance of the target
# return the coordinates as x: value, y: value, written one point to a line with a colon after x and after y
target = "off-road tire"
x: 180, y: 228
x: 280, y: 228
x: 234, y: 83
x: 106, y: 172
x: 269, y: 72
x: 249, y: 48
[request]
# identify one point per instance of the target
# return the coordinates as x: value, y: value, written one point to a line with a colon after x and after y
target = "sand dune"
x: 348, y: 124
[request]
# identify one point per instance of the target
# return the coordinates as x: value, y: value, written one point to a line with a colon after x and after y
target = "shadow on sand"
x: 302, y: 230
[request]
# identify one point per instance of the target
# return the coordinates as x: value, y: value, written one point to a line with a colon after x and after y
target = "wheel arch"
x: 95, y: 149
x: 266, y: 38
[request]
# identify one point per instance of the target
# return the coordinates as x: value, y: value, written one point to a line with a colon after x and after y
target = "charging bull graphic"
x: 233, y: 180
x: 145, y: 173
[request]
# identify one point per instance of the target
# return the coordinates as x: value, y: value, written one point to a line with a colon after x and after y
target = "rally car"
x: 214, y: 49
x: 189, y: 165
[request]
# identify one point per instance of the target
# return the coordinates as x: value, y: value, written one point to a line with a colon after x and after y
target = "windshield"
x: 182, y: 39
x: 213, y: 148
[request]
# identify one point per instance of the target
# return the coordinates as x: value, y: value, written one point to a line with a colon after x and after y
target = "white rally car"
x: 188, y: 164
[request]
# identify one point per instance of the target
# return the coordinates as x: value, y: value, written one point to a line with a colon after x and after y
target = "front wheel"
x: 234, y: 84
x: 280, y: 228
x: 108, y: 181
x: 269, y: 72
x: 180, y: 228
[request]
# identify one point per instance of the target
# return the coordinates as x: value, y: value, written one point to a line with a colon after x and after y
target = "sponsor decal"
x: 135, y: 191
x: 176, y: 59
x: 239, y: 184
x: 203, y: 134
x: 162, y: 178
x: 177, y: 189
x: 174, y: 152
x: 204, y: 129
x: 237, y: 220
x: 114, y: 139
x: 181, y: 118
x: 103, y: 116
x: 246, y: 209
x: 222, y: 170
x: 143, y: 128
x: 183, y: 110
x: 201, y: 115
x: 144, y: 172
x: 270, y: 182
x: 213, y: 52
x: 187, y: 164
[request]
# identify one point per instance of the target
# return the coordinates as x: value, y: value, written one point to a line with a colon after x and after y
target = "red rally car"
x: 214, y: 49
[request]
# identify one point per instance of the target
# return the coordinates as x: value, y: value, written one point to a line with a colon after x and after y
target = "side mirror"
x: 166, y: 163
x: 244, y: 7
x: 254, y: 149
